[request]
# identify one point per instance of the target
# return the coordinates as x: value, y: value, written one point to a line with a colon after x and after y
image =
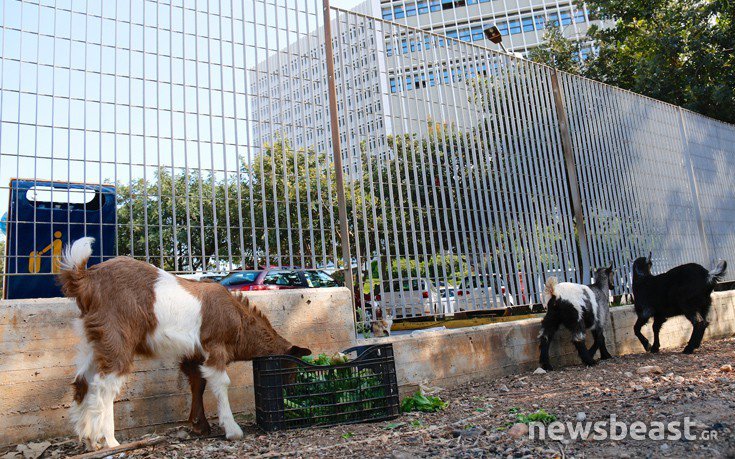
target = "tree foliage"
x: 678, y: 51
x: 558, y: 51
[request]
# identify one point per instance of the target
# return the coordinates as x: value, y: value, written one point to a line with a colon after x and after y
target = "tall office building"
x: 375, y: 62
x: 289, y: 92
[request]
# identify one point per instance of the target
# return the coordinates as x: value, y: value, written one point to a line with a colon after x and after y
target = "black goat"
x: 577, y: 307
x: 682, y: 291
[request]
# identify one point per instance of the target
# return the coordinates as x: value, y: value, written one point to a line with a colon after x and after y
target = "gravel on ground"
x: 482, y: 418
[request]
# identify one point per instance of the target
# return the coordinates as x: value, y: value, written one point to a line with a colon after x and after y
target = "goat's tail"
x: 74, y: 267
x: 718, y: 273
x: 549, y: 287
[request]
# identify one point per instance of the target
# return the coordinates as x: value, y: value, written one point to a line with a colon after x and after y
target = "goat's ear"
x: 650, y: 257
x: 299, y: 351
x: 610, y: 268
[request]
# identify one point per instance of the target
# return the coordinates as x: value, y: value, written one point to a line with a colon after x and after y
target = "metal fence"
x: 446, y: 176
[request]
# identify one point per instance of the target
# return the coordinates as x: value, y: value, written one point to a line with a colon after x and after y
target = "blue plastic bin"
x: 38, y: 228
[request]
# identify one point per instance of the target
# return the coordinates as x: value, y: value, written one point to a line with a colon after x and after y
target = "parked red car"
x: 277, y: 279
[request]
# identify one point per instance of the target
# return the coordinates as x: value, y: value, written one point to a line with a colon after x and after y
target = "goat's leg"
x: 658, y: 322
x: 95, y: 390
x: 578, y: 341
x: 549, y: 326
x: 214, y: 371
x: 600, y: 343
x: 94, y: 416
x: 595, y: 344
x: 197, y: 416
x: 637, y: 330
x: 699, y: 325
x: 112, y: 384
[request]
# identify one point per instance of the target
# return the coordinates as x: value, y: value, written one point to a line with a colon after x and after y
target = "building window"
x: 579, y: 16
x: 514, y: 26
x: 387, y: 14
x: 478, y: 33
x: 502, y: 27
x: 528, y: 24
x: 566, y: 18
x: 540, y: 22
x: 398, y: 12
x: 553, y: 20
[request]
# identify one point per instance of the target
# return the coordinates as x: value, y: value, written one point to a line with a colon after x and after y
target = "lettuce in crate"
x: 331, y: 393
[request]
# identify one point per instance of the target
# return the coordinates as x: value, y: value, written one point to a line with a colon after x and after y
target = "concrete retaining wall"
x: 37, y: 354
x: 37, y: 348
x: 448, y: 357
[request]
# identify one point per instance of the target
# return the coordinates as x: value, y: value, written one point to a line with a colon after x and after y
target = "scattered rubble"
x: 482, y: 419
x: 649, y: 369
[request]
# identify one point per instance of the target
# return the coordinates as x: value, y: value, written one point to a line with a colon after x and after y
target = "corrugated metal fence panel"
x: 630, y: 157
x: 712, y: 148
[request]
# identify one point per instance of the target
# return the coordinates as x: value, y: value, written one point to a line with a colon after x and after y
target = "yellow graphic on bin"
x: 34, y: 259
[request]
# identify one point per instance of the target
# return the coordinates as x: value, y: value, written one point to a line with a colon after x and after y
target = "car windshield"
x: 240, y: 278
x: 283, y: 279
x: 447, y: 292
x: 317, y: 279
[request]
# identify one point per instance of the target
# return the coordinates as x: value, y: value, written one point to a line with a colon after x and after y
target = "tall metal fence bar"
x: 197, y: 136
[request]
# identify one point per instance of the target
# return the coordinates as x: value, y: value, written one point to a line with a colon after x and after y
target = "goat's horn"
x: 650, y: 255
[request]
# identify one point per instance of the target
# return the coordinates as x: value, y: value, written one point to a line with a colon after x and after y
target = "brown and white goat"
x: 131, y: 308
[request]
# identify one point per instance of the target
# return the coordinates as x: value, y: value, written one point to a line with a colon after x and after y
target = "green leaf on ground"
x: 424, y: 403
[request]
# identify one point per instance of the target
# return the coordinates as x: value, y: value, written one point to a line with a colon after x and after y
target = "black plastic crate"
x: 291, y: 393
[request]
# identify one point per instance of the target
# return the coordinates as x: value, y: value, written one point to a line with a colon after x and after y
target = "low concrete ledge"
x: 38, y: 345
x: 450, y: 357
x: 37, y: 354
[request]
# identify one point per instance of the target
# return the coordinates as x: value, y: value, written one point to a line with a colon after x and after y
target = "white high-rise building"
x: 373, y: 65
x: 289, y: 93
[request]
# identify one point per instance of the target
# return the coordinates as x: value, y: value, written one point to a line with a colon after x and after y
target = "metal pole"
x: 336, y: 147
x: 572, y: 178
x: 693, y: 186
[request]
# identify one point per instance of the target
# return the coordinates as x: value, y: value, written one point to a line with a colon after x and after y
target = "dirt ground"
x: 480, y: 416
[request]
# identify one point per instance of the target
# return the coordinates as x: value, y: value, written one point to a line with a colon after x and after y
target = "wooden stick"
x: 121, y: 448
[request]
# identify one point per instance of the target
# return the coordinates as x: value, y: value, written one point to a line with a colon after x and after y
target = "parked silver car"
x: 483, y: 292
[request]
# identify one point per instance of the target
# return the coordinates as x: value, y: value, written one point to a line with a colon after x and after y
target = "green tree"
x: 559, y: 52
x: 677, y: 51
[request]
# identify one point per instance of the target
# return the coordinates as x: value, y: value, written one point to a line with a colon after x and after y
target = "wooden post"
x: 336, y: 147
x: 572, y: 177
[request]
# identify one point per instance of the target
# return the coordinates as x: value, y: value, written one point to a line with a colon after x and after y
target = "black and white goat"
x: 681, y: 291
x: 577, y: 307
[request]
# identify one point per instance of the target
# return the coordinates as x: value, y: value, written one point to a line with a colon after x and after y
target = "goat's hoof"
x: 590, y: 363
x: 233, y: 432
x: 547, y: 367
x: 201, y: 429
x: 654, y: 349
x: 606, y: 357
x: 112, y: 443
x: 687, y: 351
